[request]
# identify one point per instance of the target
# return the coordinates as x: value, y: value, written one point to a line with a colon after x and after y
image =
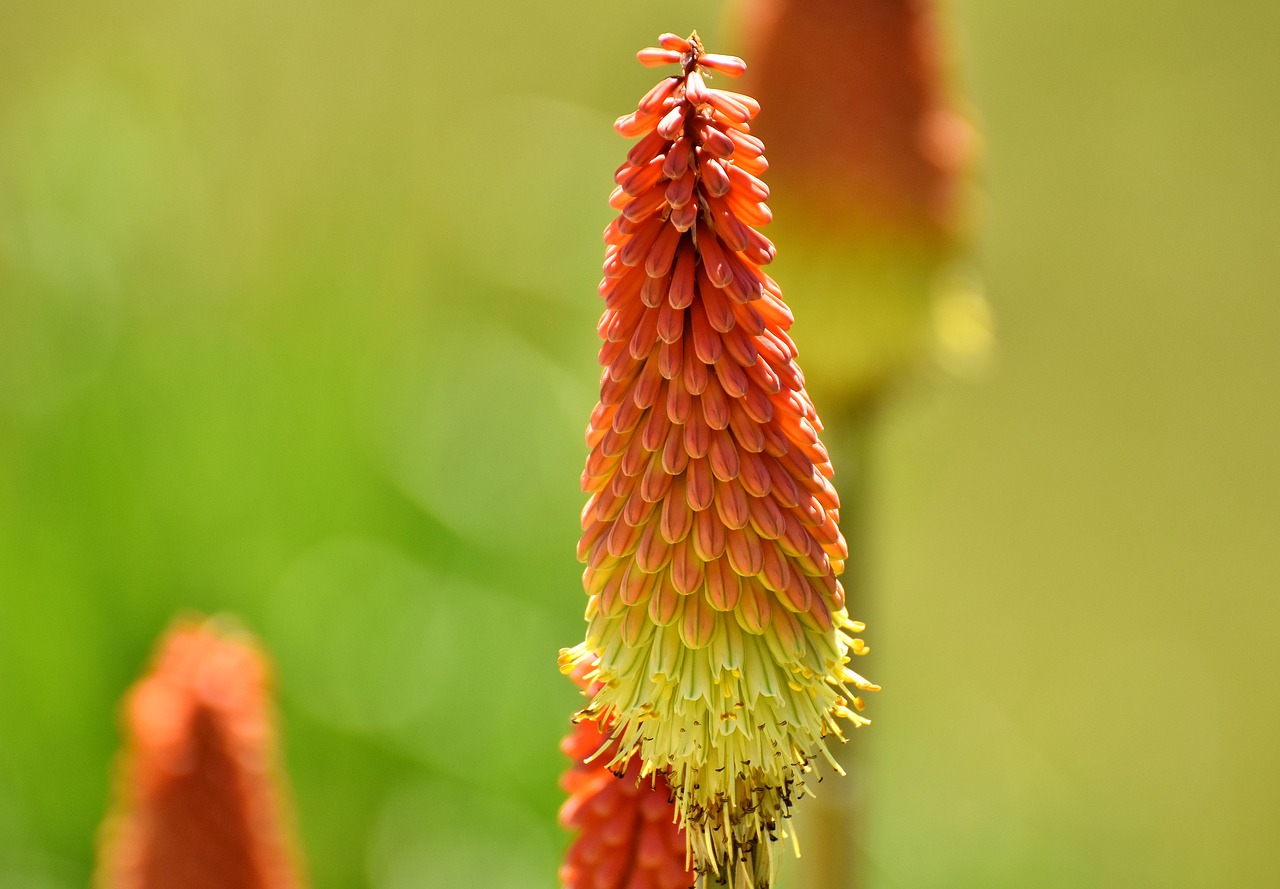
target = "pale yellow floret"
x: 734, y: 725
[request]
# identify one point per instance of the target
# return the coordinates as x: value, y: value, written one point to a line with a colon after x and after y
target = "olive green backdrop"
x: 297, y: 307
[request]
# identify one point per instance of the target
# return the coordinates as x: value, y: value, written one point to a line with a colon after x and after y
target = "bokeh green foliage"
x: 296, y: 313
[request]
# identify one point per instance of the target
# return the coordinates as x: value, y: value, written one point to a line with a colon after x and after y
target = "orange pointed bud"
x: 627, y: 836
x: 198, y: 804
x: 717, y: 638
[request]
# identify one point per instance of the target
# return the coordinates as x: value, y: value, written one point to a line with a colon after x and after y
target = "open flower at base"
x: 627, y: 837
x: 716, y: 623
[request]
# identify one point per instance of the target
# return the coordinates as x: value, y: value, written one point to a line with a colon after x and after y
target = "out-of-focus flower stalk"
x: 871, y: 160
x: 199, y: 800
x: 718, y: 642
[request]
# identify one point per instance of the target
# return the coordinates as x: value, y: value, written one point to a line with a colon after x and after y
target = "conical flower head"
x: 198, y: 804
x: 716, y: 622
x: 627, y: 837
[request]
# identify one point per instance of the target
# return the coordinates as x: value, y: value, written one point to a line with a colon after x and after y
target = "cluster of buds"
x: 717, y: 639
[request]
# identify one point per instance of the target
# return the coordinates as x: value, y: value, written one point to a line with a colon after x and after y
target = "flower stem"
x: 835, y: 823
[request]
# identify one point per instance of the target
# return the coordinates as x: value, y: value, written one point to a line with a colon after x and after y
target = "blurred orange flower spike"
x: 880, y: 146
x: 198, y: 801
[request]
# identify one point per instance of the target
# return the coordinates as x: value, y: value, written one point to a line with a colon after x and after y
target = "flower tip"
x: 674, y: 42
x: 695, y: 89
x: 654, y: 56
x: 730, y: 65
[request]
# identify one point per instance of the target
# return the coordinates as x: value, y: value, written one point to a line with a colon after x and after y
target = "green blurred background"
x: 297, y: 308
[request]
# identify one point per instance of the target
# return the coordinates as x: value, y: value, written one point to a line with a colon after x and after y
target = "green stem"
x: 833, y: 823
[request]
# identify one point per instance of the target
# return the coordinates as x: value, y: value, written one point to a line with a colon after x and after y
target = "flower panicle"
x: 199, y: 800
x: 717, y: 634
x: 627, y: 835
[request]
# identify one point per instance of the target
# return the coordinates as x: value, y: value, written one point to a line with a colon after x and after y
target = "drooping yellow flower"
x: 715, y: 618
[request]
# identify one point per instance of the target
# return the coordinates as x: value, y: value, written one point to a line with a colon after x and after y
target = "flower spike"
x: 199, y: 801
x: 717, y: 638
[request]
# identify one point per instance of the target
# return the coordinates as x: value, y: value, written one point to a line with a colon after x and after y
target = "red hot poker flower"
x: 717, y: 627
x: 197, y: 803
x: 883, y: 149
x: 627, y: 835
x: 876, y: 174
